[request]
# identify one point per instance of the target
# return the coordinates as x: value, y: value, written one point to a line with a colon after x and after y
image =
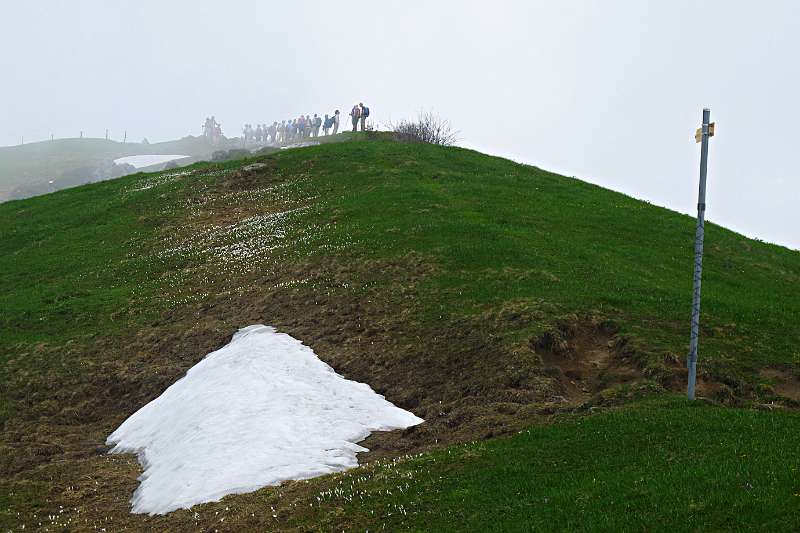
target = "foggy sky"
x: 610, y: 92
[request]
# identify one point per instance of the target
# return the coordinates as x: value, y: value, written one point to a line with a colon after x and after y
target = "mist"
x: 610, y: 92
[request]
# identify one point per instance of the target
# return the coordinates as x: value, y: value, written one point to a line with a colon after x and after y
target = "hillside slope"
x: 483, y: 295
x: 27, y: 169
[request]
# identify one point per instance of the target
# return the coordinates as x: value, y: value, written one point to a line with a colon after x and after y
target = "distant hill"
x: 28, y: 169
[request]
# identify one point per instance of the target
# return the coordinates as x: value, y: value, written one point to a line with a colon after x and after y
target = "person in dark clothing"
x: 364, y: 113
x: 326, y: 125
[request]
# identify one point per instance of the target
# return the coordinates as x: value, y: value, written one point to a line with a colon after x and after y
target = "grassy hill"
x: 25, y: 170
x: 536, y: 322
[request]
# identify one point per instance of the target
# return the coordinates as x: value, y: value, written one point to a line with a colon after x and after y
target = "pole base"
x: 690, y: 389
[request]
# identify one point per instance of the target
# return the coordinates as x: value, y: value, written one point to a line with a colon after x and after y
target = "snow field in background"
x: 141, y: 161
x: 261, y: 410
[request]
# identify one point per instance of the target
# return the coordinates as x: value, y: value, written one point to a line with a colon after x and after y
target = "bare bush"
x: 427, y: 128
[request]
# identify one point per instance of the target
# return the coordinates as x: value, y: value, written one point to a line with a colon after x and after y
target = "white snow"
x: 141, y: 161
x: 302, y: 144
x: 261, y: 410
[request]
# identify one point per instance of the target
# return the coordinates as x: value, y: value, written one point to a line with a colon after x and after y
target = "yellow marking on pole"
x: 698, y: 134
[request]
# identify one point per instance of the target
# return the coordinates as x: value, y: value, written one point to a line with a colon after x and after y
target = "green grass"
x: 504, y: 232
x: 65, y: 270
x: 78, y: 264
x: 659, y: 466
x: 499, y: 232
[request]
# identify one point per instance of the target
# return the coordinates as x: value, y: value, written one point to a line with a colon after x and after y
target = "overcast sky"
x: 607, y: 91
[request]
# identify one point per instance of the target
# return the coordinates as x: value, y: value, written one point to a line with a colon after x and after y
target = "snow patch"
x: 261, y: 410
x: 141, y: 161
x: 299, y: 145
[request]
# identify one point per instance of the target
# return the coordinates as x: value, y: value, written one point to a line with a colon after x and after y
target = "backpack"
x: 366, y: 112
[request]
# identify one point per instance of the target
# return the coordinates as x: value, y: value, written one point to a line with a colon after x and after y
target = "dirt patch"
x: 711, y: 390
x: 585, y: 358
x: 785, y: 383
x: 250, y: 176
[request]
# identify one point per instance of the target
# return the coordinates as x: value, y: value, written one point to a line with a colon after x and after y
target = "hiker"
x: 273, y: 132
x: 336, y: 122
x: 326, y: 125
x: 309, y: 126
x: 259, y: 134
x: 317, y: 124
x: 211, y: 128
x: 364, y: 114
x: 355, y: 114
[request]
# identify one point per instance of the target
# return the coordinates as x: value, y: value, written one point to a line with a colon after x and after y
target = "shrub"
x: 427, y: 128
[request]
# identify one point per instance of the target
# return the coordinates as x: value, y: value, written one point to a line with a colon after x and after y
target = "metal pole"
x: 698, y: 258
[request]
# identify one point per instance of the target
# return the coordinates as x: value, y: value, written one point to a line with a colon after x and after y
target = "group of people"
x: 301, y: 128
x: 359, y: 115
x: 293, y: 130
x: 212, y: 129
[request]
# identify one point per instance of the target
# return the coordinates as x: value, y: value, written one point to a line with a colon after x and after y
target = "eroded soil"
x: 784, y: 382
